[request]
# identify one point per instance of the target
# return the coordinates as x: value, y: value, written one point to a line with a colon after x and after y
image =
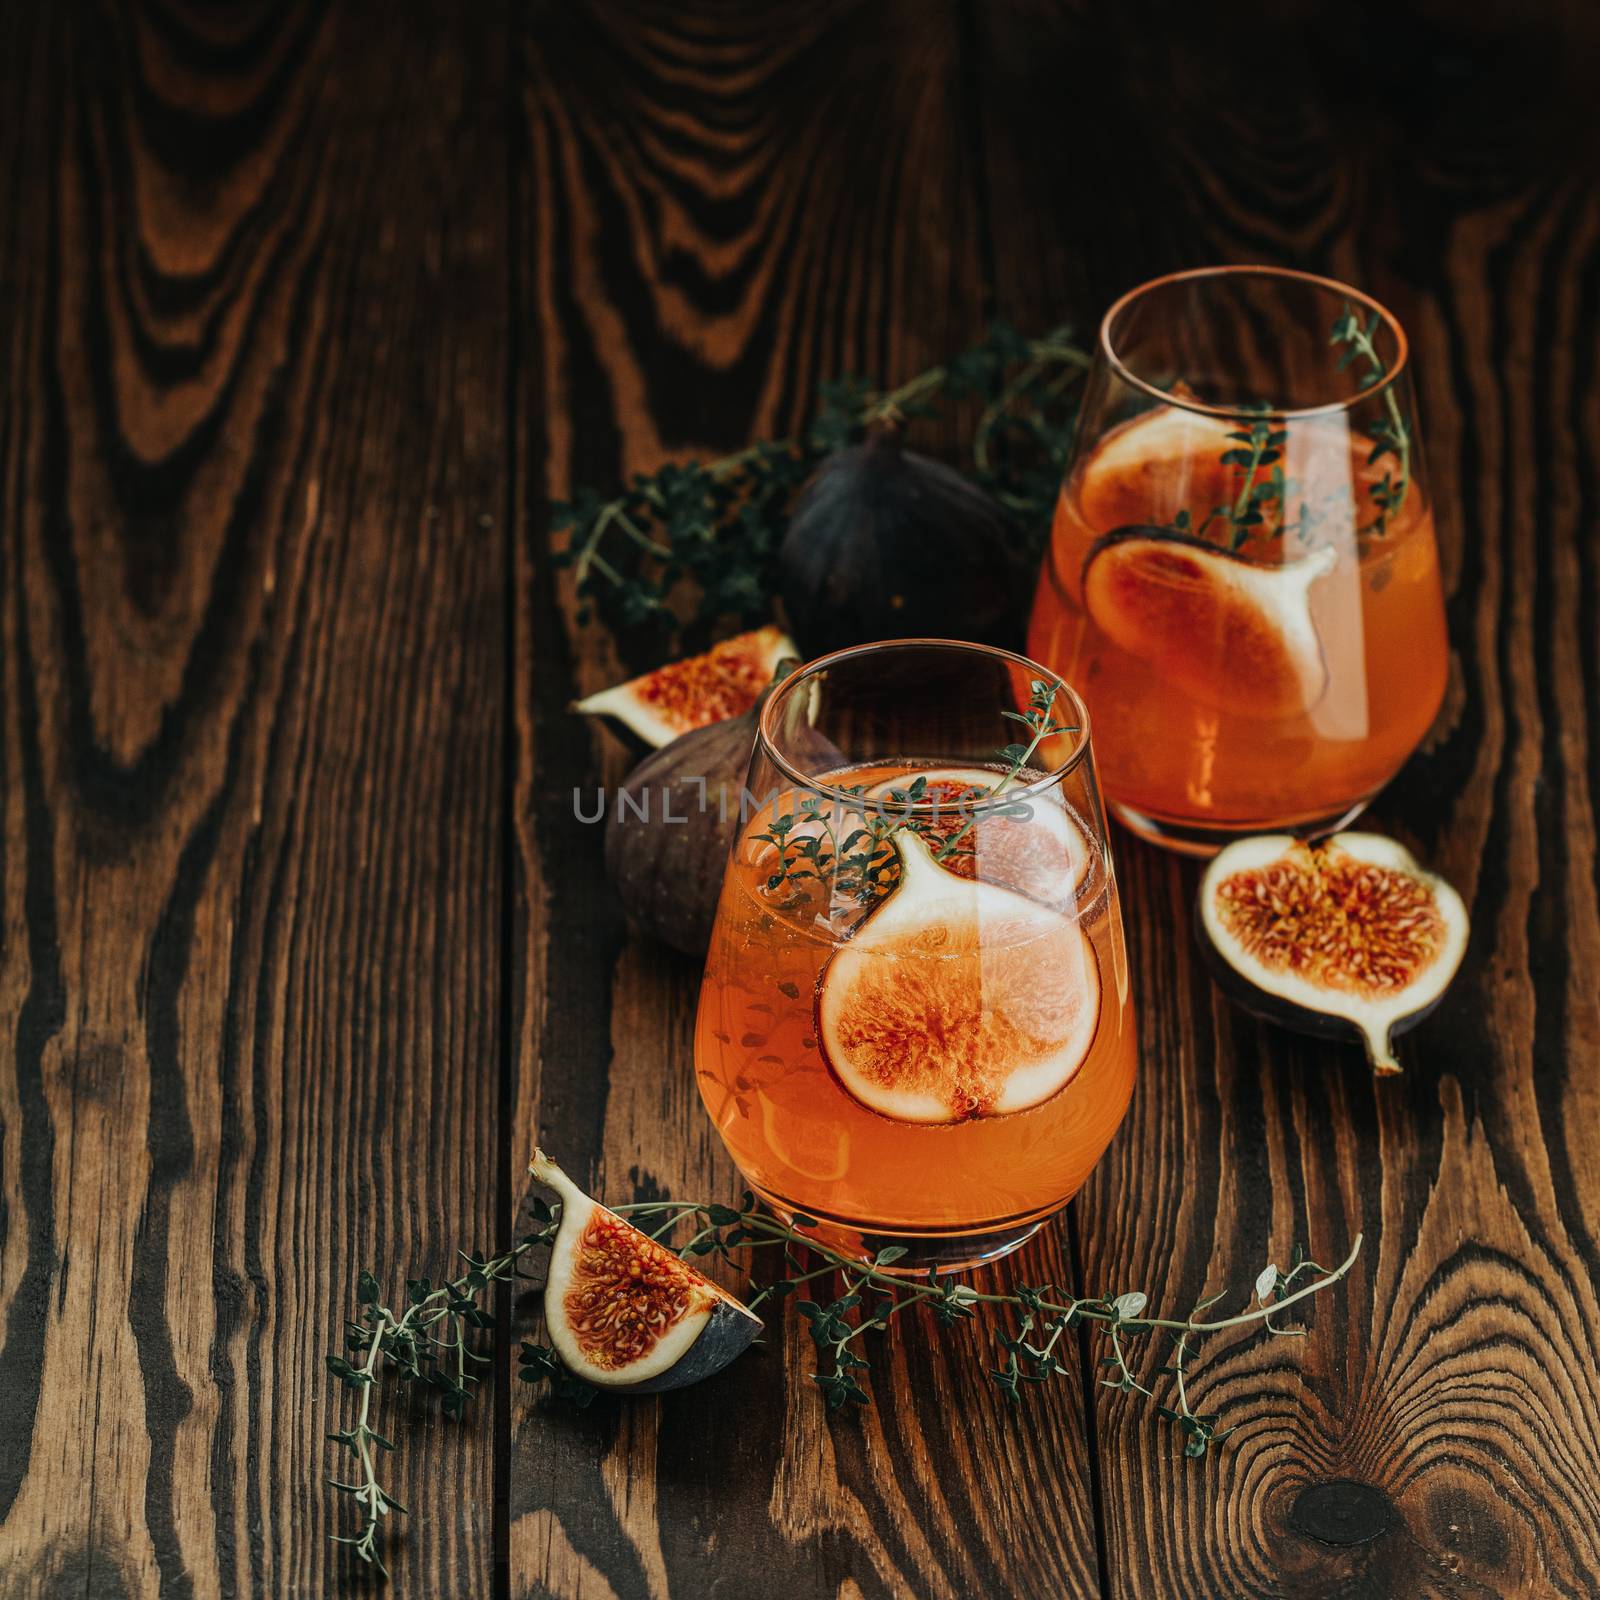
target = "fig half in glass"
x: 1242, y: 578
x: 915, y: 1025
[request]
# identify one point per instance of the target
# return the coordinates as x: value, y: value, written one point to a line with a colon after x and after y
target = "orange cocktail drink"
x: 915, y: 1024
x: 1246, y: 591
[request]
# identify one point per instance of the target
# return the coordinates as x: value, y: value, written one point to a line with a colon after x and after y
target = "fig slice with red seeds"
x: 1349, y: 935
x: 1044, y: 855
x: 957, y: 998
x: 623, y: 1311
x: 1225, y: 631
x: 724, y: 681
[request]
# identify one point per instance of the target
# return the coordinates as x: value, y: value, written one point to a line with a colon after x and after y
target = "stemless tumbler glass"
x: 1242, y: 578
x: 915, y: 1025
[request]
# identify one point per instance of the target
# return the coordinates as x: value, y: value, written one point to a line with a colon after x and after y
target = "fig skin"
x: 1270, y: 1008
x: 721, y: 1328
x: 886, y: 544
x: 668, y: 875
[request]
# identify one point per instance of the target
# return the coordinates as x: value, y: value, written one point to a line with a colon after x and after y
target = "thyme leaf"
x: 1390, y: 434
x: 1260, y: 505
x: 857, y: 863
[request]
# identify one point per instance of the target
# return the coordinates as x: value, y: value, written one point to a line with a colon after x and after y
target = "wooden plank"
x: 724, y: 206
x: 251, y: 714
x: 1436, y: 1434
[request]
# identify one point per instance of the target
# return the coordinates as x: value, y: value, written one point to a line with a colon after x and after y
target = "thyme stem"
x: 1041, y: 730
x: 1047, y: 353
x: 1241, y: 502
x: 835, y: 1333
x: 405, y: 1344
x: 1394, y: 435
x: 400, y: 1339
x: 370, y: 1496
x: 613, y: 514
x: 1091, y: 1308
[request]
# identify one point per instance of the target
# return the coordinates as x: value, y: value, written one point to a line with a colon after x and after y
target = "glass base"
x: 1207, y: 838
x: 944, y: 1252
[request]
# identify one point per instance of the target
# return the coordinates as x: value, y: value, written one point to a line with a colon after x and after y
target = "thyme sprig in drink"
x: 915, y: 1023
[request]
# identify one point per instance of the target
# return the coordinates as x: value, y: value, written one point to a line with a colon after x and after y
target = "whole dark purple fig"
x: 886, y: 544
x: 672, y: 823
x: 671, y: 826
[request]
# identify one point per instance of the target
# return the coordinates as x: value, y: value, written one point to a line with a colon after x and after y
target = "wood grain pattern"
x: 307, y: 314
x: 726, y: 205
x: 251, y: 692
x: 1435, y: 1437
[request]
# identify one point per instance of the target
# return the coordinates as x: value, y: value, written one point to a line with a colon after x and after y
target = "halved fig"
x: 693, y: 693
x: 623, y: 1311
x: 1346, y: 935
x: 1224, y: 630
x: 956, y: 998
x: 1043, y: 855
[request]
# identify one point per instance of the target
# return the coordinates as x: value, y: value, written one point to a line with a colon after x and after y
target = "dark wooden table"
x: 306, y: 315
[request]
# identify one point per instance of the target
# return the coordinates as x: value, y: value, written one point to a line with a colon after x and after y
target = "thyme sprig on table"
x: 1033, y: 1344
x: 715, y: 526
x: 426, y: 1344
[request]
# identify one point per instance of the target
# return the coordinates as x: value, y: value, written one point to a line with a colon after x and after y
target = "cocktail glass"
x: 1242, y: 578
x: 915, y: 1025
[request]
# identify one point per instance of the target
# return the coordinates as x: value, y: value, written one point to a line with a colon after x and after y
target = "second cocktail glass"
x: 1242, y: 578
x: 915, y: 1025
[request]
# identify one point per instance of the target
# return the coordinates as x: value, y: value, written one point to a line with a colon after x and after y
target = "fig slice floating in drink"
x: 1043, y: 855
x: 623, y: 1311
x: 1346, y: 936
x: 1166, y: 461
x: 1225, y: 631
x: 722, y: 682
x: 957, y: 998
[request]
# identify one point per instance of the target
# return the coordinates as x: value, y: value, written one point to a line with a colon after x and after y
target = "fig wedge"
x: 623, y: 1311
x: 1225, y: 631
x: 723, y: 682
x: 956, y: 998
x: 1346, y: 936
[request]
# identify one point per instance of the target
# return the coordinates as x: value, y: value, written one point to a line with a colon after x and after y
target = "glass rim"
x: 1289, y: 274
x: 1079, y: 728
